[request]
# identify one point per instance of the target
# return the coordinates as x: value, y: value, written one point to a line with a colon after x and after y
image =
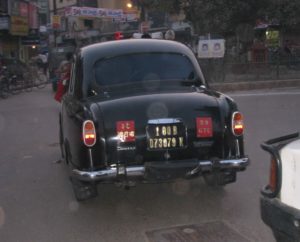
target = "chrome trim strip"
x: 238, y: 162
x: 233, y: 163
x: 107, y: 173
x: 164, y: 121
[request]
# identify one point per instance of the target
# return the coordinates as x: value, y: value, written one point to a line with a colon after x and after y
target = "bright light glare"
x: 129, y: 5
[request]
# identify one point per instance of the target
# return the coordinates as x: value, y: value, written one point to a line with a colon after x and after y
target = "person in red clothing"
x: 64, y: 72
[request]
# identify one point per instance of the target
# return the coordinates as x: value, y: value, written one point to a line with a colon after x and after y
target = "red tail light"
x: 89, y: 133
x: 237, y: 124
x: 273, y: 176
x: 126, y: 131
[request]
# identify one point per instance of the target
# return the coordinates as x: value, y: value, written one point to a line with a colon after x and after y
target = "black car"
x: 139, y: 110
x: 280, y: 200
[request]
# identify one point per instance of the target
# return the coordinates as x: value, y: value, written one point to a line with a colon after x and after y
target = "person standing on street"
x: 43, y: 56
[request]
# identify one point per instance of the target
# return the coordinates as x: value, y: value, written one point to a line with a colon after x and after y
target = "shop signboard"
x: 19, y: 25
x: 14, y: 8
x: 33, y: 38
x: 211, y: 48
x: 4, y: 23
x: 43, y: 6
x: 131, y: 16
x: 272, y: 38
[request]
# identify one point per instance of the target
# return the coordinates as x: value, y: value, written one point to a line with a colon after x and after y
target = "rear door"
x: 72, y: 115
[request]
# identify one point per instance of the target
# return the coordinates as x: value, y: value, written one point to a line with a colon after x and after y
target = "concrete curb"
x: 253, y: 85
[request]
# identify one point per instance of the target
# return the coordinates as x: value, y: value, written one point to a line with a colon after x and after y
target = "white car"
x: 280, y: 200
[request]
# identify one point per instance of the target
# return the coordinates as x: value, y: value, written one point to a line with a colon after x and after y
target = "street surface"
x: 37, y: 202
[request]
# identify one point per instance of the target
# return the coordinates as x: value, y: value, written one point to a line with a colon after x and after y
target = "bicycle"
x: 34, y: 77
x: 4, y: 88
x: 9, y: 83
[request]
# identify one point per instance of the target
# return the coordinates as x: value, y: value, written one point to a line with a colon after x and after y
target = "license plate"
x: 166, y: 136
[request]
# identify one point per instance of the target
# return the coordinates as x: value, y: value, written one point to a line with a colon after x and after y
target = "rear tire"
x: 83, y: 190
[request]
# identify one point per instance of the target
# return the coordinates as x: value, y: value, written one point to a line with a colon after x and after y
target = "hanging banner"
x: 56, y: 22
x: 23, y: 9
x: 33, y: 16
x: 93, y: 12
x: 214, y: 48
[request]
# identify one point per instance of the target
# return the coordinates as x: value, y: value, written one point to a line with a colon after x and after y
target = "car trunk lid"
x: 161, y: 126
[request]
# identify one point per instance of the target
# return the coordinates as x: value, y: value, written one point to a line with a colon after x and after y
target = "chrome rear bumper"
x: 195, y: 166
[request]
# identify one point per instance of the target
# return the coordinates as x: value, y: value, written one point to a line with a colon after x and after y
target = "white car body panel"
x: 290, y: 188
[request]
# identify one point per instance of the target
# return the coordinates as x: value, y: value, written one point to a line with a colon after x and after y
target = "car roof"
x: 120, y: 47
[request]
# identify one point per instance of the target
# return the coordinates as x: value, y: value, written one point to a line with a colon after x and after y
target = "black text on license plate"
x: 166, y: 136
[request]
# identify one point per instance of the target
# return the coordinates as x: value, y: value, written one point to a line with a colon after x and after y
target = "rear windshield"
x: 144, y: 67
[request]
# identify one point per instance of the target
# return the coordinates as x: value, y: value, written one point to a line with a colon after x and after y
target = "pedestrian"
x: 146, y: 35
x: 64, y: 72
x: 287, y: 47
x: 288, y: 51
x: 64, y: 65
x: 43, y: 57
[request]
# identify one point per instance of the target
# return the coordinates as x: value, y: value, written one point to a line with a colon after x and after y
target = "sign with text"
x: 213, y: 48
x: 4, y: 23
x: 56, y: 22
x: 272, y: 38
x: 33, y: 38
x: 94, y: 12
x: 19, y: 25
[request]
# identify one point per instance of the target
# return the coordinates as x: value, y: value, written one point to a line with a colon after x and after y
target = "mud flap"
x: 220, y: 178
x: 83, y: 190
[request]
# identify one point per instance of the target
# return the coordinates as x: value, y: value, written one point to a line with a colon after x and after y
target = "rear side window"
x: 142, y: 67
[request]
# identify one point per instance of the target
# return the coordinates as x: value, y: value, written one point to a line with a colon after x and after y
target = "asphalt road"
x: 37, y: 203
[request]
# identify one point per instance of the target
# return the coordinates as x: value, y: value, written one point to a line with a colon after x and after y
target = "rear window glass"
x: 143, y: 67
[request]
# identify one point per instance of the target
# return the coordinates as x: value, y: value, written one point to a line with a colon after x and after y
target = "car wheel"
x: 218, y: 178
x: 83, y: 190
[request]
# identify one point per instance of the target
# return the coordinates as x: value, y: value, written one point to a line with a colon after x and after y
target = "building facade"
x: 18, y: 25
x: 88, y: 21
